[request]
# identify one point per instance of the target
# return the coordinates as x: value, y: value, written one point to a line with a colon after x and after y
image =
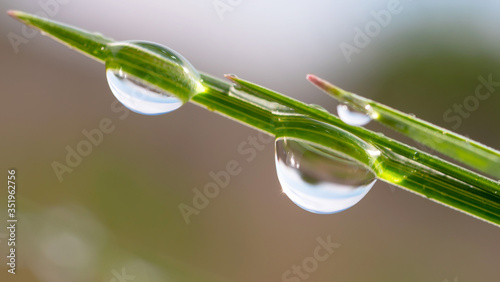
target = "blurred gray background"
x: 115, y: 217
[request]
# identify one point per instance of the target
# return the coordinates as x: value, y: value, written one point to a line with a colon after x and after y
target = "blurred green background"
x: 115, y: 217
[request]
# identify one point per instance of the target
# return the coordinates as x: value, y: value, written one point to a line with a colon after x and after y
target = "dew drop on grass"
x: 318, y: 107
x: 320, y: 180
x: 134, y: 64
x: 139, y: 96
x: 352, y: 117
x: 416, y: 156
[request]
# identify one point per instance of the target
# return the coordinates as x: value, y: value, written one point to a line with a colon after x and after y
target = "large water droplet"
x: 318, y: 179
x: 149, y: 78
x: 352, y: 117
x: 139, y: 96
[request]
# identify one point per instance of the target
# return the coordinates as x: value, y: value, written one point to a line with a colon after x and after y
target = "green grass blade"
x: 282, y: 116
x: 398, y: 164
x: 458, y: 147
x: 92, y: 44
x: 376, y: 139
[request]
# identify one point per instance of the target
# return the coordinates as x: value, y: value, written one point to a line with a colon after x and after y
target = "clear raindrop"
x: 140, y: 96
x: 318, y: 179
x: 352, y: 117
x: 149, y: 78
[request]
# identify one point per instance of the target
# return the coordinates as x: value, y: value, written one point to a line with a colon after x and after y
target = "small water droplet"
x: 416, y: 156
x: 318, y: 107
x: 320, y: 180
x: 274, y: 107
x: 139, y: 96
x: 351, y: 116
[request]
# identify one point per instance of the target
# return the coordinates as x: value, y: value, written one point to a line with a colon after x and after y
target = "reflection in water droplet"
x: 320, y: 180
x: 140, y: 96
x: 352, y: 117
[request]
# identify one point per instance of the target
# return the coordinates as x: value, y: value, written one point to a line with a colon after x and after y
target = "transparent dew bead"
x: 319, y: 180
x: 352, y: 117
x: 139, y: 96
x: 318, y: 107
x: 149, y: 78
x: 416, y: 156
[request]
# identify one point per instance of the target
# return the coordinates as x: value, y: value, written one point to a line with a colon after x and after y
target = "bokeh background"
x: 115, y: 217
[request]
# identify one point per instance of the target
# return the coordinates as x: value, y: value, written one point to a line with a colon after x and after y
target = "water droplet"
x: 416, y: 156
x: 318, y: 179
x: 140, y: 96
x: 149, y: 78
x: 318, y: 107
x: 274, y: 107
x: 351, y: 116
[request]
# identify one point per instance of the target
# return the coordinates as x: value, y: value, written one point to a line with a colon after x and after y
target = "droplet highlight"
x: 140, y: 96
x: 320, y: 180
x: 352, y: 117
